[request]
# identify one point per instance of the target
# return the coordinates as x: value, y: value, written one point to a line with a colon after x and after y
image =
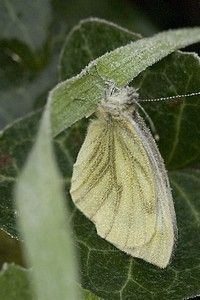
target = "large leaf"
x: 164, y: 115
x: 104, y: 269
x: 117, y: 276
x: 117, y: 37
x: 78, y: 97
x: 98, y: 267
x: 100, y: 260
x: 44, y: 223
x: 175, y: 75
x: 90, y: 39
x: 176, y: 120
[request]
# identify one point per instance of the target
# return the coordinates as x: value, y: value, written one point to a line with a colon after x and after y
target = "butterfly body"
x: 120, y: 183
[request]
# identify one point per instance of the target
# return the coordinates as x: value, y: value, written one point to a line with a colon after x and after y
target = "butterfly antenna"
x: 151, y: 124
x: 170, y: 97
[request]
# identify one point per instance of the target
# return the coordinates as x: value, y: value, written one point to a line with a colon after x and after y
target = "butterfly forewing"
x: 159, y: 250
x: 113, y: 184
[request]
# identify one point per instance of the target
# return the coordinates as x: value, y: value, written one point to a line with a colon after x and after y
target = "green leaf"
x: 104, y: 269
x: 43, y: 222
x: 175, y: 120
x: 112, y: 274
x: 177, y: 74
x: 88, y: 40
x: 78, y: 97
x: 14, y: 283
x: 171, y: 77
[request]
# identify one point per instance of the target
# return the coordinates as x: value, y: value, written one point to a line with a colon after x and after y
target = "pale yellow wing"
x: 159, y: 249
x: 113, y: 183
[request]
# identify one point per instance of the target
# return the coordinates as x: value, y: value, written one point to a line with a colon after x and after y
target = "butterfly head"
x: 117, y: 102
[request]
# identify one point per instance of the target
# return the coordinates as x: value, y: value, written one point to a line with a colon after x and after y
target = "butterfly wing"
x: 113, y: 183
x: 159, y: 249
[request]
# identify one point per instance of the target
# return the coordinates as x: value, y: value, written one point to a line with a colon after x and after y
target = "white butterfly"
x: 120, y: 183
